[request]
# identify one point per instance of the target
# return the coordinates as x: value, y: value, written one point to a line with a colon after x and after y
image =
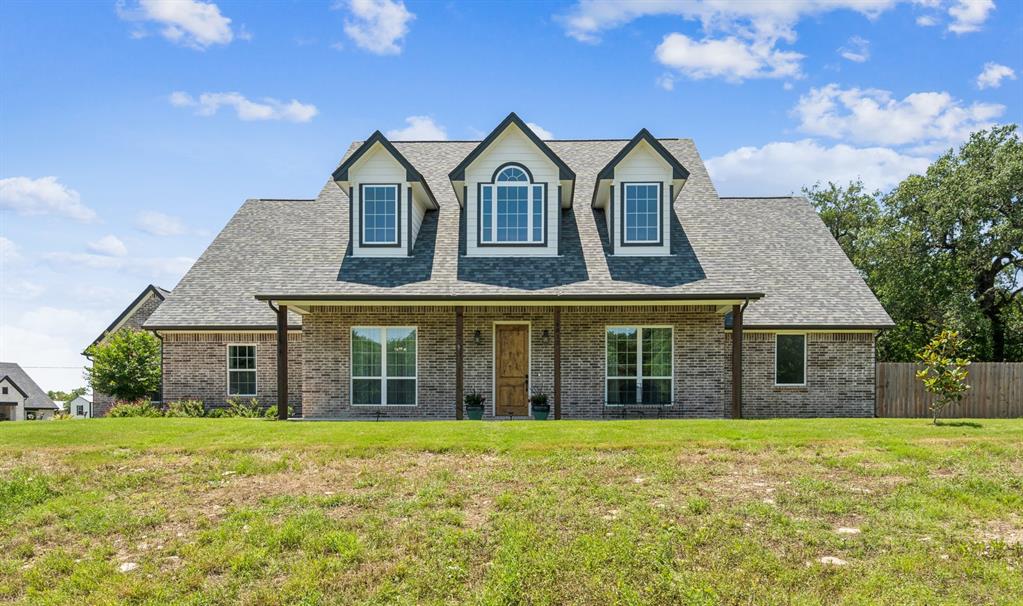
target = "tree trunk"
x: 998, y: 336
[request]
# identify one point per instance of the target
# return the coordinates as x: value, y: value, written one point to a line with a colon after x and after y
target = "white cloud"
x: 856, y: 50
x: 666, y: 82
x: 159, y: 224
x: 8, y: 250
x: 190, y: 23
x: 420, y: 128
x: 749, y: 31
x: 926, y: 21
x: 143, y: 266
x: 729, y: 58
x: 43, y: 196
x: 993, y: 75
x: 540, y: 131
x: 378, y: 26
x: 785, y: 167
x: 109, y: 245
x: 969, y: 15
x: 929, y: 120
x: 266, y: 109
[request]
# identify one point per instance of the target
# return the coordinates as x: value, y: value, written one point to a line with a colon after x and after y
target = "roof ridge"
x: 758, y: 197
x: 583, y: 140
x: 284, y: 199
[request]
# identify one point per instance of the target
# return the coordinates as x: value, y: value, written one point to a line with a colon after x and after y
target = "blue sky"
x: 131, y: 131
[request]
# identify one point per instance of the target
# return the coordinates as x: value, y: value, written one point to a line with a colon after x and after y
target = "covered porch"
x: 387, y: 358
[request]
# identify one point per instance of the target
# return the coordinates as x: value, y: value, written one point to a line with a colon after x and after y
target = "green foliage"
x: 944, y: 371
x: 185, y: 408
x: 474, y: 398
x: 270, y: 413
x: 245, y: 410
x: 126, y: 365
x: 137, y: 408
x: 539, y: 398
x: 943, y: 249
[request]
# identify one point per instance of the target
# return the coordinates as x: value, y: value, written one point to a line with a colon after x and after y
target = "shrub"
x: 239, y: 408
x: 137, y: 408
x: 185, y: 408
x: 216, y: 413
x: 944, y: 371
x: 270, y: 413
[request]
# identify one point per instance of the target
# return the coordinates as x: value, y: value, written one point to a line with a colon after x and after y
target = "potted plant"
x: 474, y: 404
x: 540, y: 404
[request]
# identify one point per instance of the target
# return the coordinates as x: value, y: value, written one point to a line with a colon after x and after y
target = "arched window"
x: 512, y: 208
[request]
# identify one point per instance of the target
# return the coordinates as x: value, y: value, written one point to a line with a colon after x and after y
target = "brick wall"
x: 840, y: 378
x: 195, y: 366
x: 699, y: 356
x: 840, y: 370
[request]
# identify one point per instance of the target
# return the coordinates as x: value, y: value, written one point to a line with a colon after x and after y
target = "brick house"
x: 606, y: 273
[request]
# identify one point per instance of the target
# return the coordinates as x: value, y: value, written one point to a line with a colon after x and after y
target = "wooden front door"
x: 511, y: 376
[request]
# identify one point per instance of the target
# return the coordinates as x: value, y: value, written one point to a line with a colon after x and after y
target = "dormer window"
x: 642, y: 213
x: 512, y: 208
x: 380, y: 214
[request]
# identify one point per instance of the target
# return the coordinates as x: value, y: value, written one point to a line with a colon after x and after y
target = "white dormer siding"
x: 379, y: 180
x: 512, y: 148
x: 637, y: 202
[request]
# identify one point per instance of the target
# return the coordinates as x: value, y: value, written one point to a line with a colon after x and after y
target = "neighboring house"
x: 132, y: 318
x: 21, y: 399
x: 80, y: 407
x: 607, y: 273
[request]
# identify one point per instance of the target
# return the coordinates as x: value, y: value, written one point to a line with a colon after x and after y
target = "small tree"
x: 944, y: 372
x: 126, y: 365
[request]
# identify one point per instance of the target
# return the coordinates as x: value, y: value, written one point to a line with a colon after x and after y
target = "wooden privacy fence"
x: 996, y: 391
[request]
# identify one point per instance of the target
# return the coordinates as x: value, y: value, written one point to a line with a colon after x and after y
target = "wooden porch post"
x: 459, y: 361
x: 557, y: 362
x: 737, y: 361
x: 282, y: 362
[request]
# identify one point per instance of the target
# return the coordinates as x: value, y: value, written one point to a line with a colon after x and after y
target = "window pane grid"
x: 642, y: 212
x: 241, y: 370
x: 639, y: 365
x: 384, y: 366
x: 380, y: 214
x: 511, y: 212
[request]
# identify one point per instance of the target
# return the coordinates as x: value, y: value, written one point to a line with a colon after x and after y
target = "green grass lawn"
x: 631, y: 512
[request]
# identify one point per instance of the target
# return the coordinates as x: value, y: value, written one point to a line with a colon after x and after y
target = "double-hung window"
x: 379, y: 214
x: 512, y: 209
x: 384, y: 366
x: 639, y: 365
x: 241, y: 370
x: 790, y: 359
x: 642, y: 205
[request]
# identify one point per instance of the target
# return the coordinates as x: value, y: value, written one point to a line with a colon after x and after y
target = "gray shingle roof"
x: 734, y: 247
x: 35, y: 396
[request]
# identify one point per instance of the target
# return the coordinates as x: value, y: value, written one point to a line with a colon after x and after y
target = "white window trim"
x: 625, y: 211
x: 805, y: 365
x: 383, y: 362
x: 493, y: 365
x: 639, y: 362
x: 255, y: 359
x: 397, y: 213
x: 529, y: 185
